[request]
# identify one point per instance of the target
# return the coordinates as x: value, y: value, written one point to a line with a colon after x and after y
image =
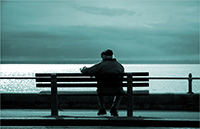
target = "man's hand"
x: 82, y: 69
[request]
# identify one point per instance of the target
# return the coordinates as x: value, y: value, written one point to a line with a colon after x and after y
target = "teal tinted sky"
x: 150, y: 32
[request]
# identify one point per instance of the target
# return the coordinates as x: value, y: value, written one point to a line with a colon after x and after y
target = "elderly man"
x: 108, y: 65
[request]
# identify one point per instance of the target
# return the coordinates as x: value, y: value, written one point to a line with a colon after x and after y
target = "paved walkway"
x: 89, y: 127
x: 85, y: 118
x: 6, y: 113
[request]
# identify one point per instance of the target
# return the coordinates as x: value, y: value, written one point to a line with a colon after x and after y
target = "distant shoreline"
x: 95, y: 61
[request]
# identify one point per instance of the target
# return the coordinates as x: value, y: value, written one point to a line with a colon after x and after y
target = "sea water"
x: 156, y: 86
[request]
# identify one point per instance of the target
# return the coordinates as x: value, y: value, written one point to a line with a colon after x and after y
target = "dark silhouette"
x: 108, y: 65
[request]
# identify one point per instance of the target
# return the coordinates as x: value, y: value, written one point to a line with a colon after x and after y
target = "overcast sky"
x: 157, y: 31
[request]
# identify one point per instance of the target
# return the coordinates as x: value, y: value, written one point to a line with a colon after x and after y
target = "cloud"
x: 105, y: 11
x: 87, y: 42
x: 61, y: 31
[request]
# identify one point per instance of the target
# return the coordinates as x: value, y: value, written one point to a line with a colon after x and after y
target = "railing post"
x: 190, y: 84
x: 129, y: 94
x: 54, y: 97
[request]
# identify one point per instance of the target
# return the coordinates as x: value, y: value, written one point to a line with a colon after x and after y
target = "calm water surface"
x: 156, y: 86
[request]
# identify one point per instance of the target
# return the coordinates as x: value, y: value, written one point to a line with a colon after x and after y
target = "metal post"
x: 54, y: 97
x: 190, y: 84
x: 129, y: 93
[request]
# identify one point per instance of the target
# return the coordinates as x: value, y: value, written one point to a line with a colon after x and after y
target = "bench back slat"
x: 81, y: 80
x: 92, y: 85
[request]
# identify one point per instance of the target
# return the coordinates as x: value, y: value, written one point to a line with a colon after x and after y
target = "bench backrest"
x: 138, y: 79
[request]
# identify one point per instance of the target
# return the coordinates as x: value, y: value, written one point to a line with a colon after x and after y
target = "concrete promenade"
x: 12, y: 118
x: 32, y: 111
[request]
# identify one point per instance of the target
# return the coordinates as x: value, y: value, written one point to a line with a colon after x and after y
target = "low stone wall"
x: 146, y: 102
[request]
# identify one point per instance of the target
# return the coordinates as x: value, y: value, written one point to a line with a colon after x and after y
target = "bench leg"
x: 54, y: 105
x: 130, y: 106
x: 130, y: 99
x: 54, y: 96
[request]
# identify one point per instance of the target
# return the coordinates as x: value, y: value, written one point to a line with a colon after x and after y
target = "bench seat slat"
x: 90, y: 85
x: 89, y: 93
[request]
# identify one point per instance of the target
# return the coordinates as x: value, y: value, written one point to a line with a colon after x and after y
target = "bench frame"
x: 54, y: 86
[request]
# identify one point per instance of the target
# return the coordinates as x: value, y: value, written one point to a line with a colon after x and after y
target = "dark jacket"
x: 106, y: 67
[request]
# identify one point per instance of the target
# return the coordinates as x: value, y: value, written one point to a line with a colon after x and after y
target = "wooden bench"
x: 66, y: 80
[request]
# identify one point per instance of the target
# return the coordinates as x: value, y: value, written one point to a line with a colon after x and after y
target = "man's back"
x: 104, y: 71
x: 109, y: 66
x: 105, y: 66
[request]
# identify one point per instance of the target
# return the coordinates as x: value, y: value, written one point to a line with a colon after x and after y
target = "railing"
x: 189, y: 78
